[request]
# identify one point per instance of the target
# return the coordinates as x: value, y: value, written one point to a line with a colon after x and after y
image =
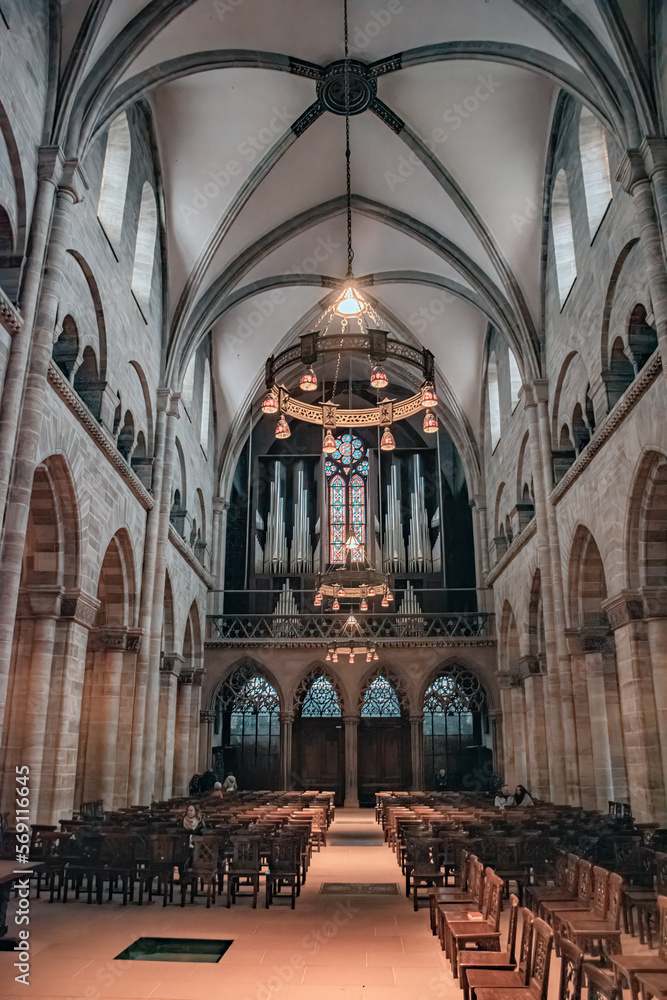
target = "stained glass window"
x: 248, y: 728
x: 380, y: 700
x: 320, y: 699
x: 346, y: 470
x: 454, y: 710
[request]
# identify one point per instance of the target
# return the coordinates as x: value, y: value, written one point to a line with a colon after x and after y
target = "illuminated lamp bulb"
x: 335, y: 657
x: 364, y: 604
x: 351, y: 541
x: 318, y: 600
x: 430, y: 424
x: 387, y: 442
x: 350, y: 303
x: 270, y: 405
x: 282, y: 429
x: 329, y: 443
x: 368, y: 657
x: 371, y: 592
x: 390, y: 596
x: 379, y: 379
x: 375, y: 656
x: 429, y: 397
x: 328, y: 657
x: 341, y: 592
x: 385, y: 602
x: 351, y: 620
x: 336, y: 605
x: 308, y: 381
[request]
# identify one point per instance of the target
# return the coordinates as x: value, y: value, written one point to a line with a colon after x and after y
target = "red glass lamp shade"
x: 429, y: 398
x: 270, y: 405
x: 282, y: 429
x: 430, y: 422
x: 379, y: 379
x: 387, y: 442
x: 308, y: 381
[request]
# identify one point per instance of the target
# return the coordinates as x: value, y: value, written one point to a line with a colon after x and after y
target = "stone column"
x: 554, y: 729
x: 28, y: 436
x: 146, y: 602
x: 496, y: 726
x: 638, y: 708
x: 77, y: 616
x: 654, y: 152
x: 417, y: 751
x: 163, y: 501
x: 109, y: 644
x: 125, y: 720
x: 519, y: 731
x: 182, y: 734
x: 351, y: 723
x: 286, y: 729
x: 538, y: 768
x: 632, y: 175
x: 206, y: 718
x: 602, y: 780
x: 195, y: 713
x: 170, y: 669
x: 583, y: 720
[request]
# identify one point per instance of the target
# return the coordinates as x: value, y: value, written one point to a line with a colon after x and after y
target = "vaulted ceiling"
x: 448, y: 161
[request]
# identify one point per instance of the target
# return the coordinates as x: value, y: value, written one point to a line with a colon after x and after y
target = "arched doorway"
x: 383, y: 746
x: 319, y: 748
x: 455, y: 728
x: 247, y: 729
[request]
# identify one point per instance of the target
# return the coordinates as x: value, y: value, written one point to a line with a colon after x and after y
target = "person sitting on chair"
x: 441, y: 780
x: 217, y: 793
x: 193, y: 787
x: 522, y: 796
x: 503, y: 798
x: 229, y: 784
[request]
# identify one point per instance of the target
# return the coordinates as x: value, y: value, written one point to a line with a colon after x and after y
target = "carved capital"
x: 171, y: 663
x: 207, y: 716
x: 186, y: 675
x: 50, y: 163
x: 530, y: 665
x: 417, y: 720
x: 220, y: 505
x: 80, y: 607
x: 631, y: 171
x: 654, y: 601
x: 654, y: 151
x: 351, y: 720
x: 535, y: 392
x: 172, y: 409
x: 43, y: 601
x: 109, y: 639
x: 73, y: 181
x: 286, y: 718
x: 163, y: 398
x: 624, y: 608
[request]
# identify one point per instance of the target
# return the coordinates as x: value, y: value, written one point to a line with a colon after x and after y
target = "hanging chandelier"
x: 335, y: 337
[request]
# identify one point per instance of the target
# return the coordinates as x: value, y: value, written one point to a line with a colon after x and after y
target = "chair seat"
x: 504, y: 993
x: 502, y: 978
x: 654, y: 983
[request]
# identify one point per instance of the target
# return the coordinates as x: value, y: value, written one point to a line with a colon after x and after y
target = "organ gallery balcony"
x: 450, y: 628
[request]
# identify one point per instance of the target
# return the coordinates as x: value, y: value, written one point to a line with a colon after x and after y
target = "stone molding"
x: 604, y: 431
x: 513, y: 550
x: 100, y: 436
x: 589, y: 639
x: 80, y: 607
x: 10, y: 317
x: 171, y: 663
x: 41, y: 601
x: 181, y: 545
x: 207, y: 716
x: 112, y: 639
x: 636, y: 605
x: 631, y: 170
x: 315, y: 643
x: 286, y: 717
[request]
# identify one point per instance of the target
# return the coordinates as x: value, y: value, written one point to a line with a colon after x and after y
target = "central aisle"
x: 331, y: 946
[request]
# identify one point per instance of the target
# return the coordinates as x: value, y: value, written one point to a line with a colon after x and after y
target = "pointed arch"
x: 383, y: 695
x: 594, y: 167
x: 515, y: 379
x: 563, y: 237
x: 318, y: 694
x: 206, y: 407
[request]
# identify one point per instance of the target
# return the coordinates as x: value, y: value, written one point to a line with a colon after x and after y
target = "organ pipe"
x: 301, y: 552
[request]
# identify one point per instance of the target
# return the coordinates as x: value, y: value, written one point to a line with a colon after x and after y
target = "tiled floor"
x: 342, y: 947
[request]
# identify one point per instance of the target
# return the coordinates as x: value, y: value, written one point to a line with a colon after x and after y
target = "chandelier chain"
x: 350, y: 251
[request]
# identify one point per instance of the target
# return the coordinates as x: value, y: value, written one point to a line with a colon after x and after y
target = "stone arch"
x: 493, y: 393
x: 509, y: 650
x: 587, y: 582
x: 642, y: 337
x: 115, y: 174
x: 126, y: 436
x: 313, y: 676
x: 65, y: 350
x: 116, y: 587
x: 168, y: 632
x: 455, y: 706
x: 498, y: 521
x: 536, y: 637
x: 53, y: 536
x: 144, y: 248
x: 563, y: 237
x: 389, y: 703
x: 87, y: 381
x: 247, y: 706
x: 20, y: 224
x: 609, y: 301
x: 97, y: 305
x: 621, y: 372
x: 524, y: 492
x: 646, y: 538
x: 6, y: 234
x: 148, y: 403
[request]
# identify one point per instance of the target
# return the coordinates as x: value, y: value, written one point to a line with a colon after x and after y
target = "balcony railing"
x: 385, y: 629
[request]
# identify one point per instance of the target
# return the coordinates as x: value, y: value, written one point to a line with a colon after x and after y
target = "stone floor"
x: 344, y: 947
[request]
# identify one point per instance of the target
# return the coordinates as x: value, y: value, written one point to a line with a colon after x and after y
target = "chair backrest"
x: 539, y: 977
x: 662, y: 928
x: 205, y: 857
x: 600, y: 892
x: 245, y: 852
x: 615, y: 899
x: 526, y: 946
x: 572, y: 874
x: 572, y: 962
x: 511, y: 931
x: 285, y: 854
x: 584, y: 882
x: 661, y: 873
x: 496, y: 887
x: 477, y: 881
x: 425, y: 853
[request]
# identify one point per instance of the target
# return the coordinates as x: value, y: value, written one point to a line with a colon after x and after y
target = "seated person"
x: 522, y: 797
x: 229, y: 784
x: 217, y: 793
x: 503, y: 798
x: 441, y: 780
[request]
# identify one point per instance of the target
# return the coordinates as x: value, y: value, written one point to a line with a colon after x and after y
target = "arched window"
x: 87, y: 381
x: 126, y: 437
x: 111, y: 206
x: 455, y: 720
x: 594, y: 167
x: 515, y: 380
x: 188, y: 392
x: 248, y: 729
x: 494, y: 401
x: 205, y: 407
x: 320, y: 698
x: 144, y: 248
x: 66, y: 348
x: 642, y: 338
x: 346, y: 471
x: 561, y: 224
x: 621, y: 372
x: 580, y: 431
x: 6, y: 234
x: 380, y: 700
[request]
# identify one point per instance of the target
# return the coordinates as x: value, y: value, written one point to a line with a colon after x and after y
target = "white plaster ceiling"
x: 494, y: 151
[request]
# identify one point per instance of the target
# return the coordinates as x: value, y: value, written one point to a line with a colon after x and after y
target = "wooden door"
x: 384, y: 763
x: 318, y: 755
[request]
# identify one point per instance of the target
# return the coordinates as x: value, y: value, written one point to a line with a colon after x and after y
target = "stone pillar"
x: 634, y: 178
x: 28, y: 435
x: 125, y: 721
x: 351, y: 723
x: 538, y: 768
x: 484, y: 596
x: 170, y: 669
x: 519, y: 731
x: 286, y: 732
x: 108, y: 644
x: 654, y: 152
x: 596, y: 699
x: 496, y: 727
x: 77, y: 616
x: 163, y: 502
x: 554, y: 729
x: 206, y: 718
x: 656, y: 633
x: 195, y: 713
x: 507, y: 719
x: 146, y: 602
x: 182, y: 734
x: 638, y: 708
x: 417, y: 751
x: 580, y: 690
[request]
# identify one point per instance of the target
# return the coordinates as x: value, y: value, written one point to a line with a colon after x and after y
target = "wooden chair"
x: 283, y: 869
x: 538, y: 984
x: 484, y: 934
x: 511, y: 979
x: 471, y: 961
x: 244, y: 869
x: 584, y: 894
x: 653, y: 984
x: 601, y: 983
x: 571, y: 969
x: 595, y: 910
x: 425, y: 869
x: 597, y: 936
x: 474, y: 900
x: 626, y: 967
x: 459, y: 893
x: 203, y: 872
x: 565, y: 887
